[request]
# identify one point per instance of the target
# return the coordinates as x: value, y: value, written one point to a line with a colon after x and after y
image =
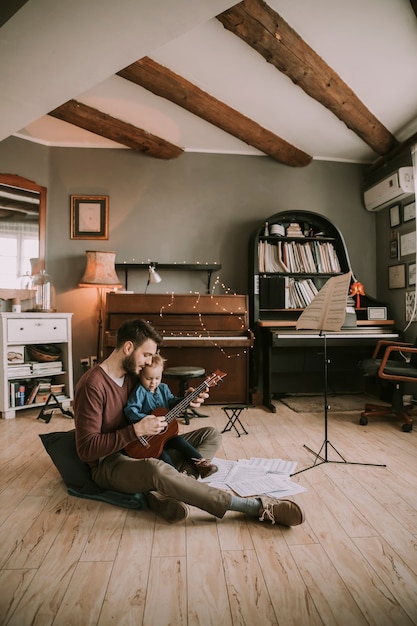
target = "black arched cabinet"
x: 292, y: 255
x: 318, y: 239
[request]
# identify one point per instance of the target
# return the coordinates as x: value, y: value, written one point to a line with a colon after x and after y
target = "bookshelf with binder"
x: 293, y: 254
x: 27, y: 381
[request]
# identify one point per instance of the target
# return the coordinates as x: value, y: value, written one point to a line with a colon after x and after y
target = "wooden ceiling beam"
x: 166, y: 84
x: 100, y: 123
x: 401, y: 148
x: 268, y: 33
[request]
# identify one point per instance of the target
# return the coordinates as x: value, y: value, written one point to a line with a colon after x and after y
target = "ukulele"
x: 152, y: 445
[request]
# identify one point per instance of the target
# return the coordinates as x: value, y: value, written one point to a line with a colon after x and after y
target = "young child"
x: 151, y: 394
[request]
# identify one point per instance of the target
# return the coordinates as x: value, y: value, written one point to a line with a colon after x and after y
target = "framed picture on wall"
x: 408, y: 244
x: 409, y: 212
x: 411, y: 274
x: 396, y: 276
x: 89, y: 217
x: 394, y: 216
x: 393, y: 249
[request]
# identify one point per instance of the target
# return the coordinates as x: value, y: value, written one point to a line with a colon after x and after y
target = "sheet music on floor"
x: 255, y: 476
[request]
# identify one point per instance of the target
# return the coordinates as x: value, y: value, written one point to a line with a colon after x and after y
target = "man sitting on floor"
x: 102, y: 433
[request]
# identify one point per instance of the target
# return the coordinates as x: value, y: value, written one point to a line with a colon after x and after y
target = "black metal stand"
x: 47, y: 410
x: 326, y: 443
x: 189, y: 413
x: 233, y: 415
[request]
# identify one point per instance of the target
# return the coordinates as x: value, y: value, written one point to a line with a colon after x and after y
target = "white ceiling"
x: 52, y: 51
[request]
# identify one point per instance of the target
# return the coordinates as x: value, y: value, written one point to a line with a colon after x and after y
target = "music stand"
x: 326, y: 443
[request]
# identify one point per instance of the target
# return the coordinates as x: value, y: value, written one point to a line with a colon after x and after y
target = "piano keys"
x: 316, y: 337
x: 209, y: 331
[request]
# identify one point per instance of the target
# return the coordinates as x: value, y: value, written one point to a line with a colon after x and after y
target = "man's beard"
x: 130, y: 366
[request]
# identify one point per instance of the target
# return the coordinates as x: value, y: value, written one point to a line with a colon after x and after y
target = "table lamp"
x: 100, y: 272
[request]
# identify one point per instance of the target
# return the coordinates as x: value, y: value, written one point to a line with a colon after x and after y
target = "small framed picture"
x: 394, y: 216
x: 377, y: 312
x: 396, y: 276
x: 409, y: 212
x: 411, y: 274
x: 408, y: 244
x: 393, y: 249
x: 89, y: 217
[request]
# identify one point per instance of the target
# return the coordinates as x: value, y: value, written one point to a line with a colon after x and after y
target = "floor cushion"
x: 77, y: 475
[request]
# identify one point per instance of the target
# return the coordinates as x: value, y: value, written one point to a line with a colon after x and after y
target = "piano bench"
x: 233, y: 412
x: 183, y: 373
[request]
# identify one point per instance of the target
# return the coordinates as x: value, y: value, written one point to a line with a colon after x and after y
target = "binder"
x: 272, y: 290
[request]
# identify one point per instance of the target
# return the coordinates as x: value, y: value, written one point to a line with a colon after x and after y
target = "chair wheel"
x: 407, y: 428
x: 363, y: 421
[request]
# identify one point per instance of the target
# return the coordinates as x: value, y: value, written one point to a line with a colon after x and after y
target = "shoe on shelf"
x: 170, y: 510
x: 205, y: 467
x: 276, y: 511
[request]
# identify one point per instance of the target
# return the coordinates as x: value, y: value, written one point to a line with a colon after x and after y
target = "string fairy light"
x: 204, y: 332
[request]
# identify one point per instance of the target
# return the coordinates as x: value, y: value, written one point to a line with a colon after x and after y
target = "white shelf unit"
x: 24, y: 329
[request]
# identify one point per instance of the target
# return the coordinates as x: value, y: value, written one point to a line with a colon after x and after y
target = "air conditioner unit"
x: 398, y: 186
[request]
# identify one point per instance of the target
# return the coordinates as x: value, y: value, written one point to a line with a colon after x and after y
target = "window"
x: 18, y: 244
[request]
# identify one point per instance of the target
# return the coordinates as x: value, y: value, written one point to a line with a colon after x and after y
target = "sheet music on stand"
x: 327, y: 311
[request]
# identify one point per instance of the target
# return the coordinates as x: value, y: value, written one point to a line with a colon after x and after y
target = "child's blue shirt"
x: 143, y: 402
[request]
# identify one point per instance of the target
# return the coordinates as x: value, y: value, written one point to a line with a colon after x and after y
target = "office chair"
x: 394, y: 363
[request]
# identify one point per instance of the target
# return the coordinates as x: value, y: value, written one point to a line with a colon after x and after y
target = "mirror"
x: 22, y: 229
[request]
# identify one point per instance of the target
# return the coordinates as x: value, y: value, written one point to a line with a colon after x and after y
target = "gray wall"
x: 197, y: 208
x: 26, y: 159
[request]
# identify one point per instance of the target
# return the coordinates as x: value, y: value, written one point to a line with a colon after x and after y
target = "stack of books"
x: 40, y: 392
x: 17, y: 391
x: 294, y: 230
x: 19, y: 371
x: 46, y: 368
x: 298, y: 258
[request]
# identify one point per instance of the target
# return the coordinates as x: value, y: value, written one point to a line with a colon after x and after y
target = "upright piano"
x: 209, y: 331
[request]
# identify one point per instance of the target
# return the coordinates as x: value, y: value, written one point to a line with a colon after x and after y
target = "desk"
x: 293, y: 360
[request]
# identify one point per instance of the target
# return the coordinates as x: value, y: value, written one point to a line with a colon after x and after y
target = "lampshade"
x: 100, y: 270
x: 154, y: 277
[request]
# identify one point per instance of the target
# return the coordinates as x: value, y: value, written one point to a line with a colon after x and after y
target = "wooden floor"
x: 67, y: 560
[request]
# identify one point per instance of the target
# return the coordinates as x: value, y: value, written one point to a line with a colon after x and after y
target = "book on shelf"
x: 41, y: 368
x: 41, y: 397
x: 43, y: 391
x: 12, y: 394
x: 272, y: 290
x: 327, y: 311
x: 19, y: 371
x: 17, y: 393
x: 285, y: 292
x: 31, y: 395
x: 61, y: 397
x: 57, y: 388
x: 309, y: 257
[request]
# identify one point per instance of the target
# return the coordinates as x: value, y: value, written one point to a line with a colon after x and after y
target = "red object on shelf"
x: 358, y: 290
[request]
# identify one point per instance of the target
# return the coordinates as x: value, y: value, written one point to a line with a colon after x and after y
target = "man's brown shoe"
x: 276, y: 511
x: 205, y: 467
x: 170, y: 510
